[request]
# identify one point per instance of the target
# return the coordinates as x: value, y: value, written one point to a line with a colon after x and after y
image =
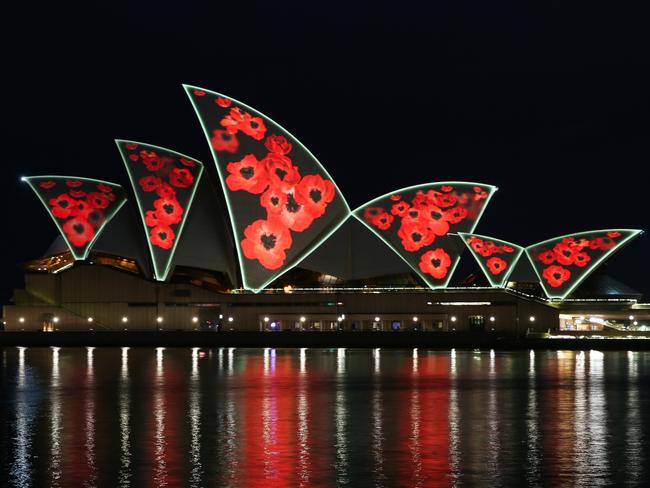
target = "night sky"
x: 548, y: 104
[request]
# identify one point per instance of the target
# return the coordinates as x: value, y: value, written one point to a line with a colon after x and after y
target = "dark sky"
x: 547, y: 100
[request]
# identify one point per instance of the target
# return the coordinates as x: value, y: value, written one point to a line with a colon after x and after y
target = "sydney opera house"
x: 263, y: 239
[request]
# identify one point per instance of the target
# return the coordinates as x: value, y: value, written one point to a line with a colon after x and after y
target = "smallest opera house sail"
x: 186, y: 244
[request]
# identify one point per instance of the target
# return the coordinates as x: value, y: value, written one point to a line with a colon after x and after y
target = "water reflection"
x: 322, y: 417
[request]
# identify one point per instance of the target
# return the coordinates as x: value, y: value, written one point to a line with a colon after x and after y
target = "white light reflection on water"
x: 414, y: 437
x: 303, y: 360
x: 196, y: 469
x: 415, y: 360
x: 21, y: 466
x: 231, y: 451
x: 377, y: 442
x: 633, y: 423
x: 231, y: 361
x: 304, y: 460
x: 89, y: 409
x: 160, y: 464
x: 340, y: 361
x: 533, y: 447
x: 55, y: 422
x: 493, y: 446
x: 376, y: 354
x: 124, y: 476
x: 454, y: 419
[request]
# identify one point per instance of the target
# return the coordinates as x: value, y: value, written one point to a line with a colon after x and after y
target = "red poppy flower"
x: 104, y: 188
x: 564, y: 253
x: 169, y: 211
x: 581, y: 259
x: 415, y: 236
x: 282, y: 174
x: 62, y: 206
x: 249, y: 175
x: 98, y: 200
x: 382, y: 221
x: 602, y: 243
x: 396, y: 198
x: 456, y: 215
x: 187, y: 162
x: 435, y: 219
x: 165, y: 190
x: 199, y: 93
x: 81, y: 209
x: 315, y: 193
x: 238, y: 120
x: 278, y: 144
x: 556, y: 275
x: 150, y: 183
x: 151, y: 219
x: 505, y: 248
x: 78, y: 231
x: 444, y: 200
x: 133, y: 157
x: 479, y: 247
x: 110, y: 196
x: 223, y: 102
x: 266, y: 241
x: 479, y: 193
x: 613, y: 234
x: 496, y: 265
x: 46, y: 185
x: 162, y: 236
x: 446, y: 188
x: 96, y: 218
x: 412, y: 216
x: 77, y: 193
x: 420, y: 198
x: 151, y: 160
x: 294, y: 215
x: 131, y: 146
x: 370, y: 213
x: 273, y: 200
x: 181, y: 177
x: 223, y: 140
x: 73, y: 183
x: 400, y: 208
x: 435, y: 263
x: 546, y: 257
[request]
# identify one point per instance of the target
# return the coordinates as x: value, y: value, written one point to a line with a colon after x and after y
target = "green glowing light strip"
x: 619, y: 245
x: 518, y: 252
x: 157, y: 274
x: 493, y: 190
x: 118, y: 206
x: 309, y: 249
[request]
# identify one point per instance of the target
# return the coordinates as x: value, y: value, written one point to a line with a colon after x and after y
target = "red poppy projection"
x: 164, y: 183
x: 420, y: 224
x: 496, y: 258
x: 562, y: 263
x: 80, y: 207
x: 282, y: 202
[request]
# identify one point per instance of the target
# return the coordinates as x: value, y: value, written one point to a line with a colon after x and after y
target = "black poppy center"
x: 435, y: 262
x: 226, y: 137
x: 63, y: 203
x: 413, y: 214
x: 78, y: 228
x: 275, y: 200
x: 281, y: 173
x: 292, y: 205
x: 162, y: 235
x: 566, y: 252
x: 254, y: 124
x: 557, y: 276
x: 497, y: 265
x: 436, y: 215
x: 315, y: 195
x: 247, y: 172
x: 168, y: 208
x: 268, y: 241
x: 416, y: 237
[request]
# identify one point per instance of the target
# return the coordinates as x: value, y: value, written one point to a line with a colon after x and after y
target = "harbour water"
x: 322, y: 417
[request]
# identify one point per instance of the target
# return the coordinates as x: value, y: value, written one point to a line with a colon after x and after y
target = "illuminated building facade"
x: 267, y: 241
